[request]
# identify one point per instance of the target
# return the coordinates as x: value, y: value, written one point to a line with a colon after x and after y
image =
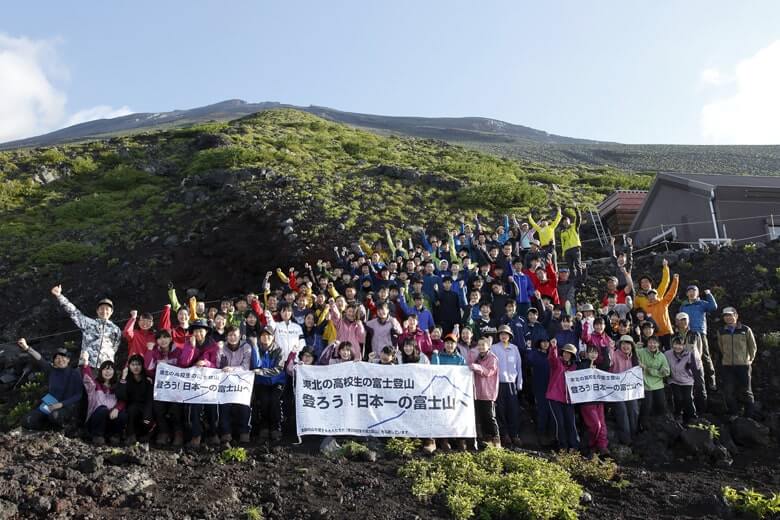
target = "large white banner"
x: 368, y: 399
x: 593, y: 385
x: 197, y: 385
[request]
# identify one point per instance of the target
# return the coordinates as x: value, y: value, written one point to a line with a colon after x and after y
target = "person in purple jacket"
x: 234, y: 355
x: 200, y: 351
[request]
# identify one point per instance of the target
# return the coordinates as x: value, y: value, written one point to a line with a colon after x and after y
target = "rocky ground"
x: 48, y: 475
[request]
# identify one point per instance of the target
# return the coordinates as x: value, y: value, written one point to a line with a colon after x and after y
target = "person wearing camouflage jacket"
x: 100, y: 336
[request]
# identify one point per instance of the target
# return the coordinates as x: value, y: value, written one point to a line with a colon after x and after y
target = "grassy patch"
x: 353, y: 450
x: 402, y: 446
x: 593, y: 469
x: 253, y: 513
x: 711, y: 428
x: 495, y: 484
x: 233, y: 455
x: 751, y: 502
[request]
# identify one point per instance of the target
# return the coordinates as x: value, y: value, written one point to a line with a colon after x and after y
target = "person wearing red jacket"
x: 545, y: 280
x: 138, y: 338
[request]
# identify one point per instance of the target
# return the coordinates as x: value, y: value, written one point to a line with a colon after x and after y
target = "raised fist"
x: 56, y: 290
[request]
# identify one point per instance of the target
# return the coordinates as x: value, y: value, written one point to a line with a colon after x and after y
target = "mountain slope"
x: 446, y: 128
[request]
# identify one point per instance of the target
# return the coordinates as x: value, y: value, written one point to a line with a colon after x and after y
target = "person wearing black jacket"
x: 447, y: 309
x: 137, y: 391
x: 64, y: 386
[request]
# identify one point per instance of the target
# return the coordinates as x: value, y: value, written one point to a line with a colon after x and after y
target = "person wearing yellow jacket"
x: 546, y: 232
x: 658, y: 309
x: 646, y: 285
x: 571, y: 246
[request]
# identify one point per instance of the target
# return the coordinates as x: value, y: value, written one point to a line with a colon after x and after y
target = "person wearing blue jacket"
x: 537, y: 360
x: 270, y: 378
x: 697, y: 309
x: 424, y: 316
x: 567, y: 335
x: 64, y: 386
x: 522, y: 286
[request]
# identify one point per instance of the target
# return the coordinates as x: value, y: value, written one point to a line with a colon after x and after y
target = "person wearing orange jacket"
x: 658, y: 308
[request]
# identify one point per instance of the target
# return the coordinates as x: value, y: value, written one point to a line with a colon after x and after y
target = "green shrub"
x: 494, y: 484
x: 770, y: 339
x: 83, y: 164
x: 233, y: 455
x: 760, y: 269
x: 751, y: 502
x: 253, y: 513
x: 402, y: 446
x: 586, y: 470
x: 15, y: 193
x: 65, y: 252
x: 711, y: 428
x: 353, y: 450
x: 14, y: 416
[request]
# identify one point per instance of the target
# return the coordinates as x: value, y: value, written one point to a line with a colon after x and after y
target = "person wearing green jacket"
x: 655, y: 367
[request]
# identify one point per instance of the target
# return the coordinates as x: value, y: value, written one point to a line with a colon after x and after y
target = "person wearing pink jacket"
x: 105, y: 414
x: 558, y: 396
x: 349, y: 328
x: 484, y: 364
x: 167, y: 415
x: 200, y: 351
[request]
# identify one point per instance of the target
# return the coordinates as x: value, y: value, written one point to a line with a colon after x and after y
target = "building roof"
x: 703, y: 185
x: 630, y: 200
x: 716, y: 180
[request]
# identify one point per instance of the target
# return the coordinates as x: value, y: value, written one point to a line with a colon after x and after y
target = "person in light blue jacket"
x: 697, y: 309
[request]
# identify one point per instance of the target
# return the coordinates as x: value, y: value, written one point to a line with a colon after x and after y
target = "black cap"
x: 200, y: 324
x: 61, y: 352
x: 266, y: 330
x: 417, y: 296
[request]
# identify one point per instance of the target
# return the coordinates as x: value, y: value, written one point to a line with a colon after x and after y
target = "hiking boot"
x: 162, y: 439
x: 429, y: 446
x: 460, y: 445
x: 213, y: 440
x: 517, y: 442
x: 226, y: 438
x: 506, y: 441
x: 263, y: 435
x: 130, y: 440
x: 97, y: 440
x: 444, y: 445
x: 194, y: 442
x: 243, y: 438
x: 495, y: 442
x: 276, y: 435
x: 178, y: 439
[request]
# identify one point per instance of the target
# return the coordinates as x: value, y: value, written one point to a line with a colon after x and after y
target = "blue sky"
x: 652, y: 72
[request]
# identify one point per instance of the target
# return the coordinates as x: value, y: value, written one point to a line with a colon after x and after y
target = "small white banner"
x: 368, y: 399
x: 593, y: 385
x: 197, y: 385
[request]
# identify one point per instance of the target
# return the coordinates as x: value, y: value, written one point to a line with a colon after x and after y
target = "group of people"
x: 494, y: 301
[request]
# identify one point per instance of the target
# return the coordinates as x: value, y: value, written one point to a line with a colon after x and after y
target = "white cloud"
x: 751, y: 114
x: 31, y: 101
x: 98, y: 112
x: 711, y: 76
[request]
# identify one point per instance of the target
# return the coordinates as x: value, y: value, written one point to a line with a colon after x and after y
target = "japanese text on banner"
x: 593, y: 385
x: 198, y: 385
x: 385, y: 401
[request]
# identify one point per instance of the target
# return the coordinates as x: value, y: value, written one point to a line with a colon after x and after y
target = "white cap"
x: 681, y: 316
x: 729, y: 310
